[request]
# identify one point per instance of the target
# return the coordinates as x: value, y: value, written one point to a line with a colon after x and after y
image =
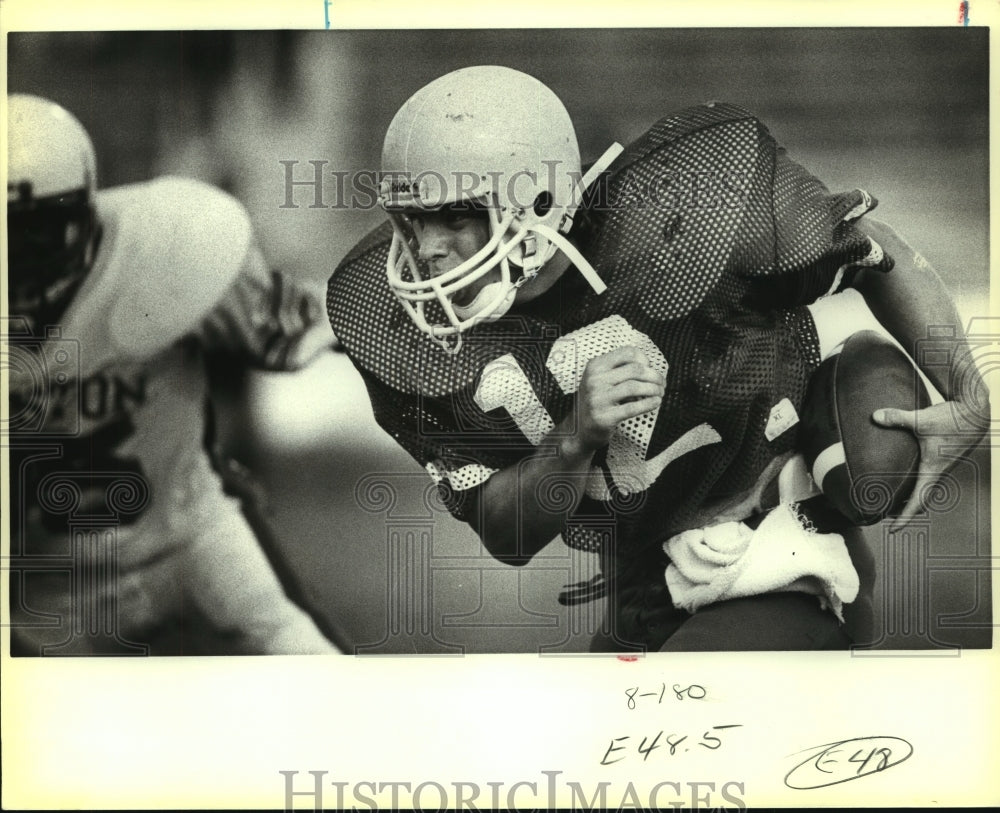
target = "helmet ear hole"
x: 543, y: 204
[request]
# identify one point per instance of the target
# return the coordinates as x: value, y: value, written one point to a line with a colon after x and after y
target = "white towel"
x: 730, y: 560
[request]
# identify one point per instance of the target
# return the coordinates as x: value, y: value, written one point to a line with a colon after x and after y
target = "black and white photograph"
x: 519, y: 362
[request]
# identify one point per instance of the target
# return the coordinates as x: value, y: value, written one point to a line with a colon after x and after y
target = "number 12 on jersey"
x: 505, y: 384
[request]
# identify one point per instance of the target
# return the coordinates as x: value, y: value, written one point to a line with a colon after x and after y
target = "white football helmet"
x: 500, y: 140
x: 51, y: 227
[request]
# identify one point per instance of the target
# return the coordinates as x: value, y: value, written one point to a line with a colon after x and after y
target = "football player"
x: 123, y: 537
x: 619, y: 356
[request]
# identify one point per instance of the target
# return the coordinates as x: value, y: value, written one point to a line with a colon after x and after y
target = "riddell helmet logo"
x: 401, y: 187
x: 394, y: 187
x: 427, y: 190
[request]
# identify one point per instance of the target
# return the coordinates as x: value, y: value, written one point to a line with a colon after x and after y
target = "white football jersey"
x: 108, y: 421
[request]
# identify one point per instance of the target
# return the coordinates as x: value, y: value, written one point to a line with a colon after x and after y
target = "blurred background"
x: 902, y: 113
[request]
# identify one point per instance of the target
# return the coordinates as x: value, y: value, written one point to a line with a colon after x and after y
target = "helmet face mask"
x: 51, y: 224
x: 50, y: 250
x: 501, y: 258
x: 497, y: 140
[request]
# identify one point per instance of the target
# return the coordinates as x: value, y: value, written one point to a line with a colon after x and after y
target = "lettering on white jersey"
x: 93, y: 420
x: 106, y: 394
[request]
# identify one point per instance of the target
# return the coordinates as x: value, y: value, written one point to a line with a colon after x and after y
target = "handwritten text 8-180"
x: 692, y: 692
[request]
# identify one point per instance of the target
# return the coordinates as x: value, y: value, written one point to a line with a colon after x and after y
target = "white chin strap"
x: 575, y: 257
x: 488, y: 294
x: 557, y: 237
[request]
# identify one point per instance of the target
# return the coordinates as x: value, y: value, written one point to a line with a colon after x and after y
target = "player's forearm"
x: 910, y: 299
x: 524, y: 506
x: 270, y: 319
x: 519, y: 514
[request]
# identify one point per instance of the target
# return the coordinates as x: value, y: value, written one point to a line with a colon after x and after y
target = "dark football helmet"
x: 51, y: 225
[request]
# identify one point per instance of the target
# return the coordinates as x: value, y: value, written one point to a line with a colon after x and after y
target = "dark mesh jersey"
x: 711, y: 241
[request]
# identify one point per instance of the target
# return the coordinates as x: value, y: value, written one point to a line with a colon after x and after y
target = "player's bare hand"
x: 940, y: 426
x: 617, y: 386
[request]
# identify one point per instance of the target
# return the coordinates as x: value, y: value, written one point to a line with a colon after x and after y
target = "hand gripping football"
x: 867, y: 471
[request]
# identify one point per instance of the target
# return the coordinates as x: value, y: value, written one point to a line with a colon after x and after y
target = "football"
x: 865, y: 470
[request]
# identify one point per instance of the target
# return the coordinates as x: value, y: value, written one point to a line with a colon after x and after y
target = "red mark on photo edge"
x: 628, y: 658
x: 963, y: 12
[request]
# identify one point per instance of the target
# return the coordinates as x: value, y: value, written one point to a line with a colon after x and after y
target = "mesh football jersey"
x: 711, y: 242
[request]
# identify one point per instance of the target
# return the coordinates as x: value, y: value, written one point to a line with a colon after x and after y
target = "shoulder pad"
x: 367, y: 318
x: 383, y: 342
x: 358, y: 298
x: 170, y: 250
x: 677, y: 126
x: 378, y: 238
